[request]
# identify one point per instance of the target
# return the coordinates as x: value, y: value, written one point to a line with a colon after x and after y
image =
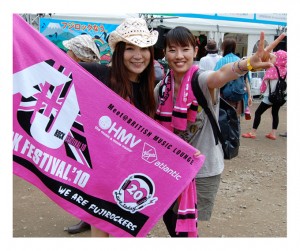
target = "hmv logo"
x: 118, y: 132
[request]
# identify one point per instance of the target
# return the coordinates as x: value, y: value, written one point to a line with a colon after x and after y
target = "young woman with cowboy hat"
x: 131, y: 72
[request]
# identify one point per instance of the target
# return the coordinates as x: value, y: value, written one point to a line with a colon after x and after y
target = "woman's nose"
x: 179, y: 54
x: 138, y: 53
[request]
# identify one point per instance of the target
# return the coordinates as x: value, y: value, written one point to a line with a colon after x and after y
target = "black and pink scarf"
x: 185, y: 109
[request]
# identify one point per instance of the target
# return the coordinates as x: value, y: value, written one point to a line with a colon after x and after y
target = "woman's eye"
x: 128, y: 47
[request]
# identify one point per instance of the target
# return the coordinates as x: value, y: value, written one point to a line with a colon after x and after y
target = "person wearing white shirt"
x: 209, y: 61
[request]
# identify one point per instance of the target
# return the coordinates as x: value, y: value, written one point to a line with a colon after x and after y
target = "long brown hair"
x: 228, y: 46
x: 121, y: 84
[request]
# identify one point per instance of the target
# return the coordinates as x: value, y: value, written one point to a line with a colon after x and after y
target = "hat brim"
x: 66, y: 44
x: 138, y: 40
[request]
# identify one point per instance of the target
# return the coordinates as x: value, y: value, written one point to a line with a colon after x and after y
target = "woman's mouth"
x: 179, y: 63
x: 137, y: 63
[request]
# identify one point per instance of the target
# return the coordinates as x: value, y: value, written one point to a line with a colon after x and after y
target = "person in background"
x: 82, y: 48
x: 209, y: 61
x: 159, y: 71
x: 280, y: 60
x: 178, y: 111
x: 247, y: 98
x: 228, y: 48
x: 131, y: 71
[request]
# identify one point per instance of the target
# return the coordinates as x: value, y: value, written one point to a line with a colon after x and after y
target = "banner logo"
x: 135, y: 193
x: 149, y: 153
x: 113, y: 130
x: 49, y: 109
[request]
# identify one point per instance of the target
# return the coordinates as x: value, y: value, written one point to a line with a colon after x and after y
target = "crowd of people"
x: 131, y: 74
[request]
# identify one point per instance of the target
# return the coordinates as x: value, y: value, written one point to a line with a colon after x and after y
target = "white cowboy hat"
x: 134, y: 31
x: 84, y: 47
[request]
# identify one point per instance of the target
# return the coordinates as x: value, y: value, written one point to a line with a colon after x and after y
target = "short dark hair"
x: 181, y: 36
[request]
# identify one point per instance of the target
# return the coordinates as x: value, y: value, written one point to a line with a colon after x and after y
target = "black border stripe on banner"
x: 108, y: 211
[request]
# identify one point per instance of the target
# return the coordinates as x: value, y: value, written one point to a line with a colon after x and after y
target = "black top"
x: 102, y: 73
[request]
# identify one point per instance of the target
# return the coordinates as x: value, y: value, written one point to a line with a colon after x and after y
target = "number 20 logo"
x: 135, y: 193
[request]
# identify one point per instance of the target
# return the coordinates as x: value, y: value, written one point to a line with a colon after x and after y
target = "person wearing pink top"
x: 271, y: 76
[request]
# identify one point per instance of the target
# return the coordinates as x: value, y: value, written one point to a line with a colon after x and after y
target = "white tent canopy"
x: 202, y: 24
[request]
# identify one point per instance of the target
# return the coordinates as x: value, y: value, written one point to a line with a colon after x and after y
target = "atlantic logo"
x: 149, y: 153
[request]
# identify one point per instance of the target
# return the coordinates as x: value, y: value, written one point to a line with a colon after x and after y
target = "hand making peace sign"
x: 262, y: 59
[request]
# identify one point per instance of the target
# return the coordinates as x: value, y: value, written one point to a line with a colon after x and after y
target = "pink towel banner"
x: 87, y: 149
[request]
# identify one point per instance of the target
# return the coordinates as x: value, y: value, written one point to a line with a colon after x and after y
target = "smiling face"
x: 136, y: 60
x: 180, y: 50
x: 180, y: 58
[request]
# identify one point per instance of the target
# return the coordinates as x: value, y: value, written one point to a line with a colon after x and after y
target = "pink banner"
x: 90, y: 151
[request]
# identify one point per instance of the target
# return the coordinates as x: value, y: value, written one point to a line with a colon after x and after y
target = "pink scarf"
x: 185, y: 108
x: 281, y: 62
x: 187, y: 211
